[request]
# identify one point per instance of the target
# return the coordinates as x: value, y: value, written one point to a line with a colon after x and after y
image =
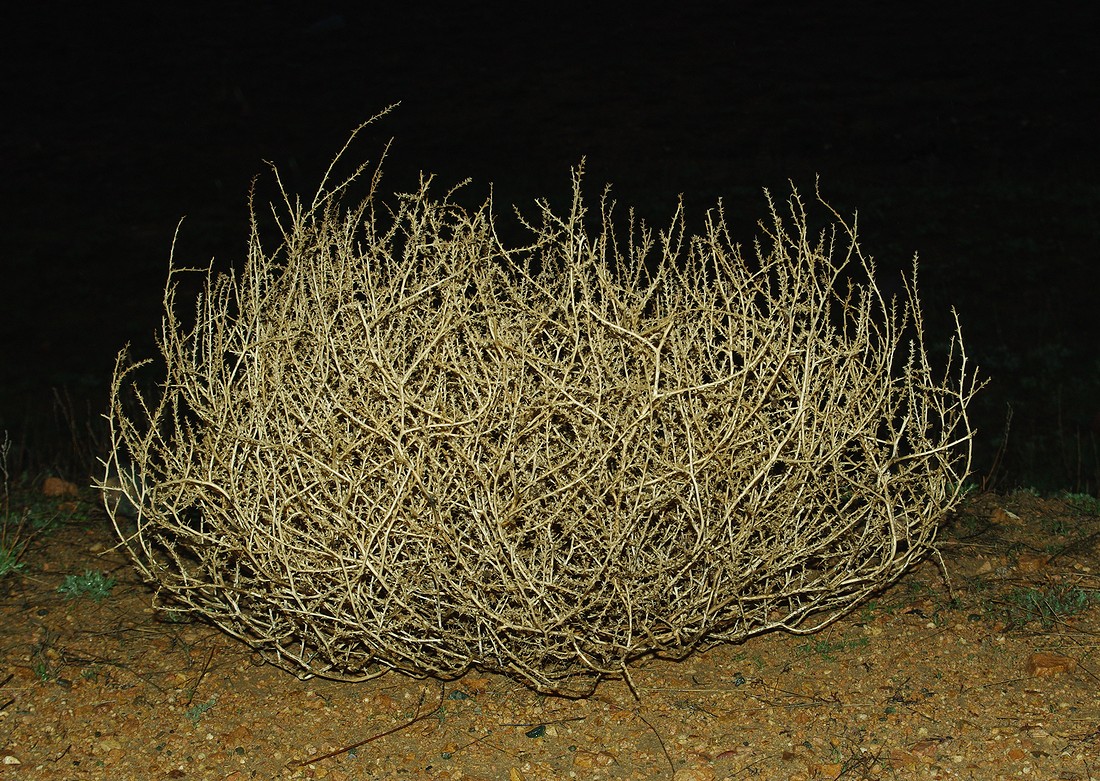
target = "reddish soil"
x: 994, y: 677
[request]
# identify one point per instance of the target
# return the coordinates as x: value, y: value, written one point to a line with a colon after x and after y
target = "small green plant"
x: 1048, y: 606
x: 827, y: 649
x: 47, y: 514
x: 94, y: 585
x: 44, y: 671
x: 194, y: 713
x: 172, y: 616
x: 11, y: 550
x: 1086, y: 502
x: 13, y: 539
x: 965, y: 488
x: 1056, y: 526
x: 875, y: 608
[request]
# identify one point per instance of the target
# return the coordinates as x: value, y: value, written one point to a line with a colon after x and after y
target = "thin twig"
x: 530, y: 724
x: 657, y: 735
x: 202, y: 674
x: 417, y: 717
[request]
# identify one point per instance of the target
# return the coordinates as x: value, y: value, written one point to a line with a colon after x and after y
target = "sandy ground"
x: 992, y: 678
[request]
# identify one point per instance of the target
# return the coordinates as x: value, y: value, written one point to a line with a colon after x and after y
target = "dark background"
x: 965, y: 133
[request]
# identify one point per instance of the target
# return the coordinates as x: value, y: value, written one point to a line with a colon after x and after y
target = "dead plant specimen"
x: 393, y: 443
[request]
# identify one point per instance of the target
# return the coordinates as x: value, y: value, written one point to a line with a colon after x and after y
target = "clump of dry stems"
x: 393, y: 443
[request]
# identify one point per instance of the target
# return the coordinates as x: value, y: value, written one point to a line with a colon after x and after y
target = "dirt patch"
x: 993, y: 677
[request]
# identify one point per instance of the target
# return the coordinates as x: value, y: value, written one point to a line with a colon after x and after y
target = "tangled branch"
x: 393, y: 443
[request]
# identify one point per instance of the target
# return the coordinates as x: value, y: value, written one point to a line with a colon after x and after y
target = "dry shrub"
x: 395, y: 443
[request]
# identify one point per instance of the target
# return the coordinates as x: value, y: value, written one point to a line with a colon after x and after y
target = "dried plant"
x: 394, y: 443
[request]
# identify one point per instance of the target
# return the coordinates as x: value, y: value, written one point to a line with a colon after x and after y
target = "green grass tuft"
x: 94, y: 585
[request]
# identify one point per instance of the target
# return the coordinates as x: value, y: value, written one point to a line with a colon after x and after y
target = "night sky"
x: 958, y: 131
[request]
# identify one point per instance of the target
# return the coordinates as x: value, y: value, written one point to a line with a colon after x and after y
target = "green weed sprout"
x: 94, y: 585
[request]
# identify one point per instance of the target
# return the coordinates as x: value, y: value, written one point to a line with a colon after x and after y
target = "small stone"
x: 587, y: 759
x: 1044, y: 663
x: 1005, y: 517
x: 55, y: 486
x: 10, y: 760
x: 238, y: 736
x: 1031, y: 562
x: 925, y: 748
x: 107, y: 745
x: 900, y: 758
x: 475, y: 684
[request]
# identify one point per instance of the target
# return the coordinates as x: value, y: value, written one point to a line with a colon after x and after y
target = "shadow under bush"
x: 394, y: 443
